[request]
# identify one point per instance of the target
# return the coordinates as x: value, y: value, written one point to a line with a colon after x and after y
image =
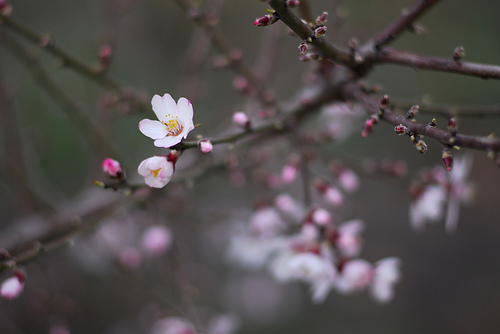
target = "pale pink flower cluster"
x: 123, y: 241
x: 437, y: 193
x: 175, y: 121
x: 322, y: 254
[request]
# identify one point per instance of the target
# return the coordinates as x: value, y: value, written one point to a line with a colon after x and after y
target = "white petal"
x: 163, y: 105
x: 185, y: 111
x: 168, y: 141
x: 153, y: 129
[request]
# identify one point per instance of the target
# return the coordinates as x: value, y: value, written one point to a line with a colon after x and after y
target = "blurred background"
x: 449, y: 282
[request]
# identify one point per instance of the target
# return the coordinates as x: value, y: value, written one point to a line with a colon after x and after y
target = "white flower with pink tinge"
x: 157, y: 171
x: 12, y: 287
x: 385, y: 275
x: 348, y: 239
x: 175, y: 121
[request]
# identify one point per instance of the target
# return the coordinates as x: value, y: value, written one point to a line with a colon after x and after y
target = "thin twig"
x: 93, y: 135
x: 354, y: 92
x: 419, y: 62
x: 449, y: 110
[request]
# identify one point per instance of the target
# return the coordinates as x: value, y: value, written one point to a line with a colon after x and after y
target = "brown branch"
x: 327, y: 49
x: 402, y: 23
x: 387, y: 55
x: 354, y: 92
x: 449, y: 110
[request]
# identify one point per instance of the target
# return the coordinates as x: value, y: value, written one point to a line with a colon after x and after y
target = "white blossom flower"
x: 385, y: 275
x: 307, y: 267
x: 349, y: 241
x: 266, y: 222
x: 157, y: 171
x: 460, y: 191
x: 428, y: 207
x: 175, y: 121
x: 250, y: 251
x: 355, y: 275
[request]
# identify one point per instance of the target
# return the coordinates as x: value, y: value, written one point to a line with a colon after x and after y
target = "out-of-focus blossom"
x: 321, y: 217
x: 310, y: 268
x: 156, y: 239
x: 251, y: 252
x: 428, y: 207
x: 330, y: 193
x: 175, y: 121
x: 289, y: 206
x: 347, y: 179
x: 355, y: 275
x: 266, y: 222
x: 173, y: 325
x: 348, y: 238
x: 130, y: 258
x: 438, y: 188
x: 112, y: 168
x: 59, y: 329
x: 385, y: 275
x: 291, y: 169
x: 241, y: 119
x: 12, y: 287
x: 157, y: 171
x: 223, y: 324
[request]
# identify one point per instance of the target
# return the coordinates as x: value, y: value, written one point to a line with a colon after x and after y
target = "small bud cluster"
x: 412, y: 112
x: 292, y: 3
x: 353, y: 53
x: 458, y: 53
x: 321, y: 19
x: 452, y: 129
x: 370, y: 123
x: 401, y: 129
x: 319, y: 30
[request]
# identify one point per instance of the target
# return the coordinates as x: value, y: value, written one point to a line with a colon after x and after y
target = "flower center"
x: 155, y: 172
x: 174, y: 128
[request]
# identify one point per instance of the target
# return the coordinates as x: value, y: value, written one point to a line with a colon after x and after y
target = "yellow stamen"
x: 155, y: 172
x: 174, y: 128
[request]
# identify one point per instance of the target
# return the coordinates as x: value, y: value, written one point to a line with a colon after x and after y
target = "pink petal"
x: 153, y: 129
x: 11, y: 288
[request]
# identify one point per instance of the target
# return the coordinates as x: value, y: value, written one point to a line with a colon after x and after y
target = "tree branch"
x: 354, y: 92
x: 387, y: 55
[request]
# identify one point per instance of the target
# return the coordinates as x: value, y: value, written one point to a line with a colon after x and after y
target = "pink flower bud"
x: 452, y: 125
x: 266, y: 20
x: 401, y: 129
x: 320, y: 32
x: 241, y: 119
x: 290, y: 170
x: 105, y: 53
x: 320, y: 20
x: 205, y: 146
x: 370, y: 122
x: 112, y: 168
x: 303, y: 48
x: 292, y: 3
x: 384, y: 102
x: 242, y: 85
x: 321, y: 217
x: 447, y: 159
x: 12, y: 287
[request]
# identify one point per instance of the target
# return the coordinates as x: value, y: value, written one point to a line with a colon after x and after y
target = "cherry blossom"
x: 157, y: 171
x: 12, y: 287
x: 156, y: 239
x: 175, y: 121
x: 385, y: 275
x: 355, y: 275
x: 348, y: 239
